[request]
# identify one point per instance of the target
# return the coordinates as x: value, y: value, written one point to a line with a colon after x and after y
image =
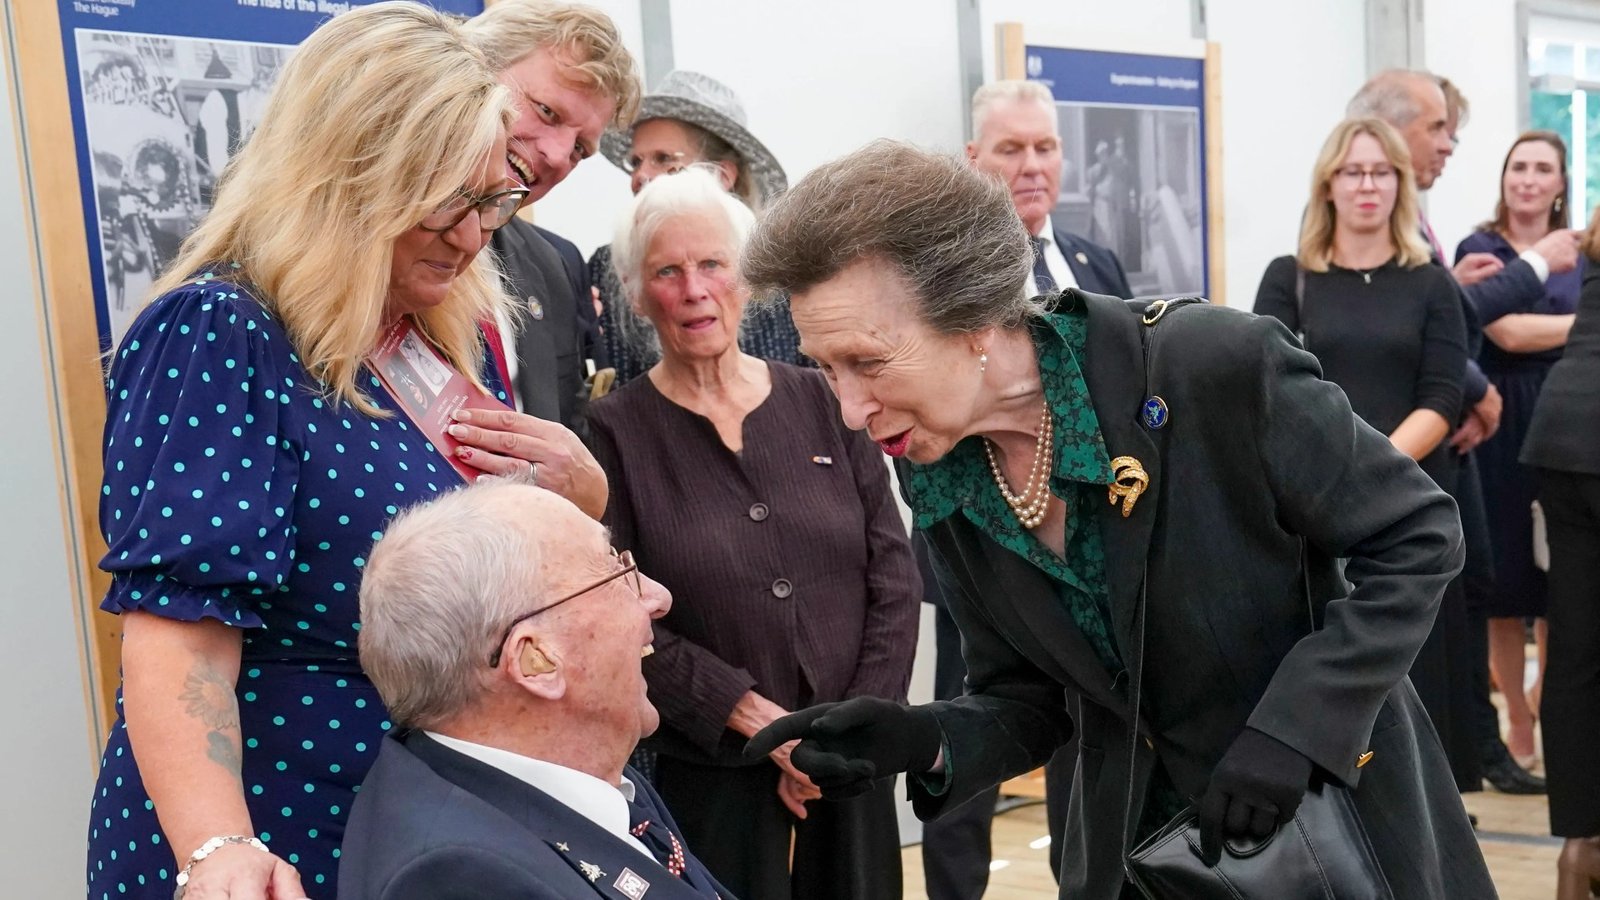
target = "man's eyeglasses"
x: 629, y: 570
x: 494, y: 211
x: 661, y: 161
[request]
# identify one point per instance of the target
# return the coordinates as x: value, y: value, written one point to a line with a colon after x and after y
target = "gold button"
x: 1363, y: 759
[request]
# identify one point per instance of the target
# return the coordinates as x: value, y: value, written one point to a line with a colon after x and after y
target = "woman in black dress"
x: 1386, y: 325
x: 1563, y: 442
x: 1523, y: 343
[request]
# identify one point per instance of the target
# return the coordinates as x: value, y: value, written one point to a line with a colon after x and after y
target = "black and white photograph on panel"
x: 163, y: 116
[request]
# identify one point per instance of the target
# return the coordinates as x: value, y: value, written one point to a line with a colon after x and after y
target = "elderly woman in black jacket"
x: 1237, y: 478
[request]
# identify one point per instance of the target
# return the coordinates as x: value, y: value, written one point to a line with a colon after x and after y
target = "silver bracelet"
x: 209, y: 847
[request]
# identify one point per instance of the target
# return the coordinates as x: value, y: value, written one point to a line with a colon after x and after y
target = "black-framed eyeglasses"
x: 661, y: 161
x: 629, y: 570
x: 494, y: 210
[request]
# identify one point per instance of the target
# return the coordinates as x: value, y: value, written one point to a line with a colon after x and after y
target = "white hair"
x: 697, y: 190
x: 985, y: 98
x: 438, y: 588
x: 1388, y: 95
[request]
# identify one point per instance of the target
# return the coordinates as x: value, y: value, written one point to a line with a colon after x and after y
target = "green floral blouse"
x: 961, y: 481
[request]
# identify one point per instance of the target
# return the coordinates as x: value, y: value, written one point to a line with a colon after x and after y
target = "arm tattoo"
x: 208, y: 696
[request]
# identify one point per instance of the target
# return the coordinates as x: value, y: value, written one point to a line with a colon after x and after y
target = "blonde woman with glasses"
x: 252, y: 455
x: 1386, y: 325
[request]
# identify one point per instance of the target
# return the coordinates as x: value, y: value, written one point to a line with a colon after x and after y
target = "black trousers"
x: 1570, y: 705
x: 956, y: 849
x: 734, y: 822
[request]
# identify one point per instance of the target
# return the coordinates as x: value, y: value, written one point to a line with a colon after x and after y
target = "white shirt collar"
x: 1047, y: 231
x: 604, y: 804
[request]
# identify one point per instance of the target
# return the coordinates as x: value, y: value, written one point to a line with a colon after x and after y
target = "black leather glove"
x: 1256, y: 787
x: 845, y: 746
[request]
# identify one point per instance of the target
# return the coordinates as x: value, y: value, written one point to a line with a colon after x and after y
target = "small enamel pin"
x: 822, y: 460
x: 535, y: 308
x: 563, y: 847
x: 1129, y: 480
x: 630, y: 885
x: 1155, y: 413
x: 590, y: 870
x: 1083, y: 258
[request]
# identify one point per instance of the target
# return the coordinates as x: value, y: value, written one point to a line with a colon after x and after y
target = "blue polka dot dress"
x: 235, y: 490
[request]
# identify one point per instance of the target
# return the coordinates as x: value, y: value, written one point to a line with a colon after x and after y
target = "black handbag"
x: 1323, y: 853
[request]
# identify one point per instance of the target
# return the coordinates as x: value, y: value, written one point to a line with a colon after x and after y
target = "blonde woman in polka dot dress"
x: 251, y: 458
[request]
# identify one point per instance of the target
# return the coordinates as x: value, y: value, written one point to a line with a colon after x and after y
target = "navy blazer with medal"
x: 1259, y: 479
x: 434, y: 824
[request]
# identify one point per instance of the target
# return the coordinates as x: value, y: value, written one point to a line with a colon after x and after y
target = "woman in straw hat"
x: 690, y: 118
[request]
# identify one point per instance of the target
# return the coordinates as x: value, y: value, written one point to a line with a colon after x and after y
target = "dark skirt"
x: 1509, y: 489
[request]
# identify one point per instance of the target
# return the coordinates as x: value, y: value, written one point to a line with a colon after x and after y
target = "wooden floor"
x: 1514, y: 833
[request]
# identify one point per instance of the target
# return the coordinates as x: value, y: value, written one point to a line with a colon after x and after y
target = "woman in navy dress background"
x: 1523, y: 344
x: 251, y: 458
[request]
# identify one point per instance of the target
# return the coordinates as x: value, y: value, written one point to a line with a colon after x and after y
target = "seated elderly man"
x: 504, y: 636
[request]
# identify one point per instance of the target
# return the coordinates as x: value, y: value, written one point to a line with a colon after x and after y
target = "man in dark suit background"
x: 571, y: 77
x: 505, y: 638
x: 1016, y: 138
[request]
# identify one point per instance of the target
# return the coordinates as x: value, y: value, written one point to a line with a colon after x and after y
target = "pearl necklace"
x: 1031, y: 506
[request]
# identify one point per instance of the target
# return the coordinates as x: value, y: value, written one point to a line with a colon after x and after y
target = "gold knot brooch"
x: 1129, y: 480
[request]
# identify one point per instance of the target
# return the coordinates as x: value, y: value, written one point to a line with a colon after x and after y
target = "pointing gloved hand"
x: 845, y: 746
x: 1256, y: 787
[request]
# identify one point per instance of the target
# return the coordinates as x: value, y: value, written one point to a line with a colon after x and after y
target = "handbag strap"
x: 1152, y: 317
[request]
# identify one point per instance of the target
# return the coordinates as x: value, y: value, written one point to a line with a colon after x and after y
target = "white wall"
x: 1474, y: 45
x: 1288, y: 69
x: 822, y: 78
x: 47, y: 765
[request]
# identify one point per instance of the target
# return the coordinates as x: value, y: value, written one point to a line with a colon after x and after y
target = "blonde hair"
x: 1009, y: 91
x: 381, y: 116
x: 1317, y: 227
x: 513, y: 29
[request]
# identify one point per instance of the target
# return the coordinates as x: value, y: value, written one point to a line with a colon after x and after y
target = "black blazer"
x: 434, y: 824
x: 549, y: 335
x: 1096, y: 268
x: 1565, y: 433
x: 1260, y: 481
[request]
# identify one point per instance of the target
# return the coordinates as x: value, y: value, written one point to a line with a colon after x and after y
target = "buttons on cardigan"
x: 759, y: 512
x: 782, y: 588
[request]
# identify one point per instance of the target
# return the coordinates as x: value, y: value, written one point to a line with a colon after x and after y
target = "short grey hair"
x: 697, y: 190
x: 948, y: 230
x: 439, y: 586
x: 1014, y: 90
x: 1388, y: 95
x: 512, y: 29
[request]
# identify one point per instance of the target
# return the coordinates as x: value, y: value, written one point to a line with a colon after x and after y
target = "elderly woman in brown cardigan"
x: 735, y: 484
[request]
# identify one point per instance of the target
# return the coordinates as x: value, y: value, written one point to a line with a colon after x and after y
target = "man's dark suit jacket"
x: 434, y: 824
x: 1099, y: 271
x: 1261, y: 479
x: 548, y: 332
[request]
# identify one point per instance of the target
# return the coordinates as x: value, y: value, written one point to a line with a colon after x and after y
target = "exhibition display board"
x: 128, y: 110
x: 1140, y: 127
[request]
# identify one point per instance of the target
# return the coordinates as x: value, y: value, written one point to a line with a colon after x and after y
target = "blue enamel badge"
x: 1155, y: 413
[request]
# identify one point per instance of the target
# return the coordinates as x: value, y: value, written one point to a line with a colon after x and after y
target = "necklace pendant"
x: 1367, y: 276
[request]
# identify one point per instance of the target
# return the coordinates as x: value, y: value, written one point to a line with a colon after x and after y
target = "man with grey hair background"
x: 1016, y: 138
x: 1417, y: 105
x: 505, y: 637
